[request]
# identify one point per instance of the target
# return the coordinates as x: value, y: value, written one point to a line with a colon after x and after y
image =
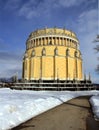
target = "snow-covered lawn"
x: 17, y: 106
x: 94, y: 100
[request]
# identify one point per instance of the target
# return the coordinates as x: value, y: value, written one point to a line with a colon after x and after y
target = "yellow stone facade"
x: 51, y: 54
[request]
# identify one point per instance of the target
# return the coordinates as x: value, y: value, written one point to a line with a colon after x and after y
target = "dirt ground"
x: 73, y: 115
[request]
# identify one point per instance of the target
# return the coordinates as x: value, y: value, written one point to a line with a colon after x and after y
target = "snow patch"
x: 18, y: 106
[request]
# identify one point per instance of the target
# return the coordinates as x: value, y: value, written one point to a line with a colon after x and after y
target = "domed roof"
x: 53, y: 31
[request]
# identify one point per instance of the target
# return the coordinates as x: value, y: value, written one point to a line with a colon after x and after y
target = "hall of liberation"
x: 51, y: 54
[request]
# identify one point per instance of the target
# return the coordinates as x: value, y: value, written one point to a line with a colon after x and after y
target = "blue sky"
x: 20, y: 17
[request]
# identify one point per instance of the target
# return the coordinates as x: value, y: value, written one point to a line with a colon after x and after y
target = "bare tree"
x: 97, y: 40
x: 97, y: 50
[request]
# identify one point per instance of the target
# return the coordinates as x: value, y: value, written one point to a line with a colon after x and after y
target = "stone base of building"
x: 54, y: 85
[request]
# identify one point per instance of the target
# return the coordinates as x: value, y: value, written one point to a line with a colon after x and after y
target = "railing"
x: 53, y: 86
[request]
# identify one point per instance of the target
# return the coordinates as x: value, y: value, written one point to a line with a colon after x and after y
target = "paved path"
x: 72, y: 115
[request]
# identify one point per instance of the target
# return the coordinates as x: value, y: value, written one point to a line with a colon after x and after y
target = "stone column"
x: 67, y: 67
x: 63, y: 41
x: 23, y: 70
x: 54, y: 67
x: 32, y: 67
x: 48, y: 41
x: 76, y: 70
x: 52, y: 40
x: 41, y: 41
x: 34, y: 42
x: 67, y: 42
x: 26, y: 69
x: 44, y: 41
x: 37, y: 42
x: 41, y: 68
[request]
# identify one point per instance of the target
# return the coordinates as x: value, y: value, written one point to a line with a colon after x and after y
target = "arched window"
x: 25, y: 55
x: 67, y: 52
x: 75, y: 54
x: 43, y: 52
x: 56, y: 51
x: 33, y: 53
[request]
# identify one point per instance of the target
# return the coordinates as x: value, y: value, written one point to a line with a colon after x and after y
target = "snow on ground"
x: 94, y: 100
x: 17, y: 106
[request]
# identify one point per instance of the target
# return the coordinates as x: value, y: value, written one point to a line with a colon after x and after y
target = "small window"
x: 56, y: 51
x: 33, y: 53
x: 25, y: 55
x: 43, y: 52
x: 75, y: 54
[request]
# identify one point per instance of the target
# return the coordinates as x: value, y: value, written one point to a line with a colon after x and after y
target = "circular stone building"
x: 51, y: 54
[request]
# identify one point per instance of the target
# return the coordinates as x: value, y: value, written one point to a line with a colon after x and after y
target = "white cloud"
x: 69, y: 3
x: 6, y: 56
x: 28, y: 11
x: 87, y: 30
x: 37, y: 8
x: 8, y: 70
x: 34, y: 8
x: 10, y: 63
x: 88, y: 21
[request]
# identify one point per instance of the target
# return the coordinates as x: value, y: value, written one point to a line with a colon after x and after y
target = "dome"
x: 50, y: 32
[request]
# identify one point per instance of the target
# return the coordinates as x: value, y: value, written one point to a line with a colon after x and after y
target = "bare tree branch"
x: 97, y: 39
x: 97, y: 48
x: 97, y: 69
